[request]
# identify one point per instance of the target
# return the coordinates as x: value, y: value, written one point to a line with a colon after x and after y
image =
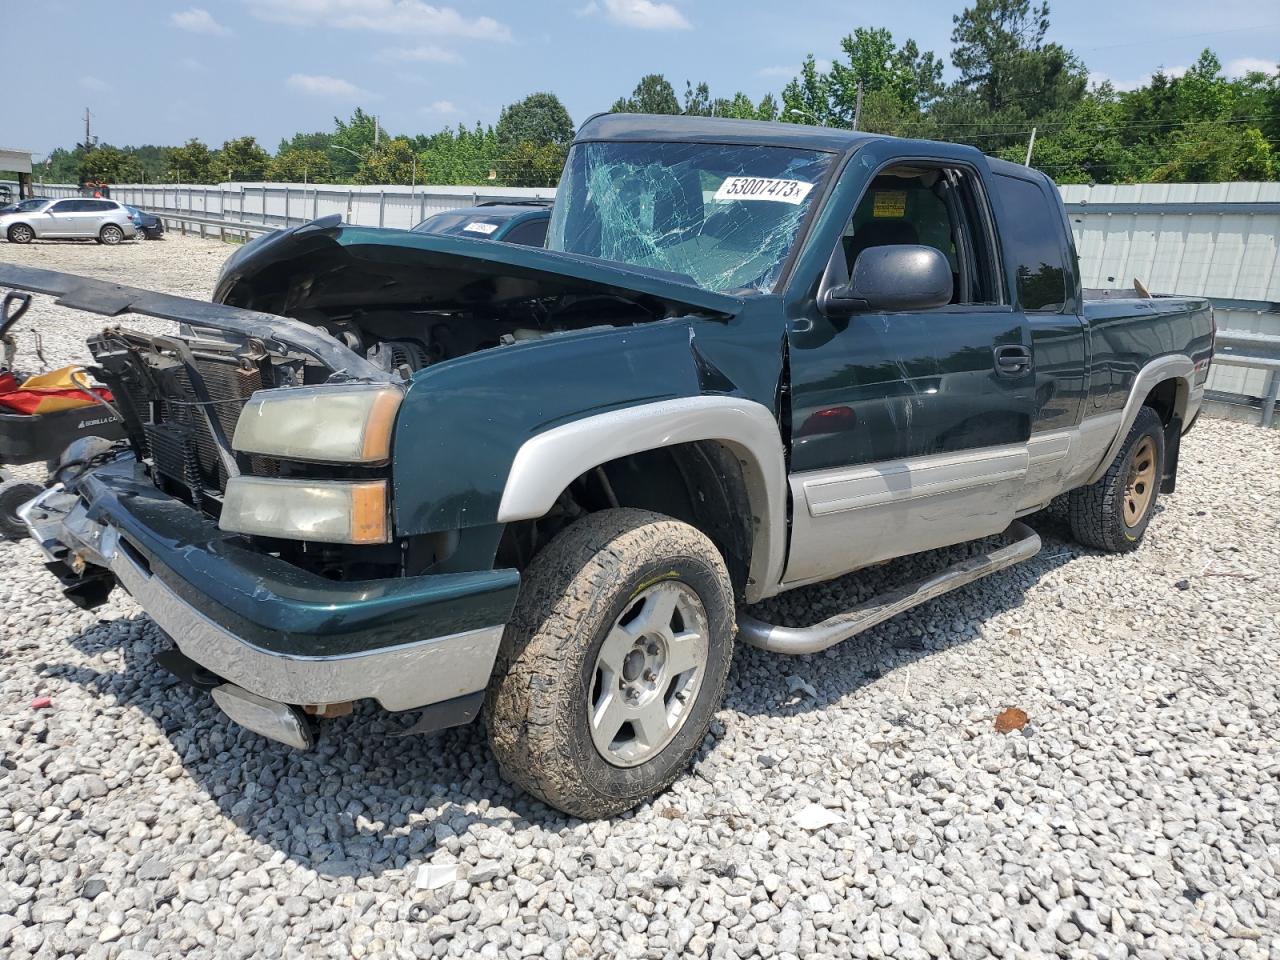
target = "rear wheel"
x: 21, y: 233
x: 1112, y: 514
x: 614, y: 662
x: 111, y: 234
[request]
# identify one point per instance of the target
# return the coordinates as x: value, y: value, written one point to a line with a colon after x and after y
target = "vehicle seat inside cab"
x: 903, y: 206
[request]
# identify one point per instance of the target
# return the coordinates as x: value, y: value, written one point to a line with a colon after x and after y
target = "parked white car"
x: 74, y: 218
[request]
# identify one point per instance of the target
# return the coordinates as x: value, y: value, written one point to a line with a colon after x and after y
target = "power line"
x: 1015, y: 127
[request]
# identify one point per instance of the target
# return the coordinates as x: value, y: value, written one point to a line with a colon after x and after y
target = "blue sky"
x: 154, y: 71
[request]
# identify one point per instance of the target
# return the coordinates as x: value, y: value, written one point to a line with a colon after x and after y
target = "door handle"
x: 1012, y: 360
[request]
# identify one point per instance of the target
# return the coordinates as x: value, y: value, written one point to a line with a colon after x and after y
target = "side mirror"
x: 891, y: 278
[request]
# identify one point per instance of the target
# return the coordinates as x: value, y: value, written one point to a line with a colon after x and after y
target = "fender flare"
x: 547, y: 463
x: 1173, y: 367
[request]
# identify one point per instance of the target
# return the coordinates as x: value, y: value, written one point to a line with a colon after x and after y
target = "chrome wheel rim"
x: 648, y: 673
x: 110, y: 236
x: 22, y: 234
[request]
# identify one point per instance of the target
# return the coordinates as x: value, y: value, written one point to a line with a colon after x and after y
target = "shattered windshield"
x: 723, y: 217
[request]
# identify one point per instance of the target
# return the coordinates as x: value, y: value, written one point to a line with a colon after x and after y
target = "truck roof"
x: 645, y: 126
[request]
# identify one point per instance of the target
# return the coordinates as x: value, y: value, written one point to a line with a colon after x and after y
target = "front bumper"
x: 265, y: 625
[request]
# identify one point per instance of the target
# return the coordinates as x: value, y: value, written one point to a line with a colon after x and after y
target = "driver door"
x: 909, y: 429
x: 62, y: 219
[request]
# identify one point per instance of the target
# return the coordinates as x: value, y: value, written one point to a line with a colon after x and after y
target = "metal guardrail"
x: 1258, y: 351
x: 205, y: 225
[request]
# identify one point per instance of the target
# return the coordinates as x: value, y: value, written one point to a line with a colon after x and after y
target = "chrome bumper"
x: 403, y: 677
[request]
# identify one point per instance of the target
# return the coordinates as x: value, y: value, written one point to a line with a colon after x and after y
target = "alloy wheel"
x: 647, y: 673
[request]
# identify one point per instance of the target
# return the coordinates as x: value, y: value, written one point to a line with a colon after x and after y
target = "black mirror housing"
x: 892, y: 278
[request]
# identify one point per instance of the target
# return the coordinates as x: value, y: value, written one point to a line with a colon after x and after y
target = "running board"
x: 797, y: 640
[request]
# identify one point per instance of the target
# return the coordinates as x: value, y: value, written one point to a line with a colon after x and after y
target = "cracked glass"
x: 723, y: 217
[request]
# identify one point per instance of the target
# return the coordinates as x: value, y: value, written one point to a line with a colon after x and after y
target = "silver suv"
x: 75, y: 218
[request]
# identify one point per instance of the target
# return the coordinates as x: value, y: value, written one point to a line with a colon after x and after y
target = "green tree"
x: 391, y: 161
x: 539, y: 118
x: 108, y: 164
x: 300, y: 165
x: 319, y: 140
x: 190, y: 163
x: 241, y: 159
x: 351, y: 141
x: 653, y: 94
x: 807, y: 98
x: 1011, y: 78
x: 527, y: 164
x: 872, y: 59
x: 462, y: 156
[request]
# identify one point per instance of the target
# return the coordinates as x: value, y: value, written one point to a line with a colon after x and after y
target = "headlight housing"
x: 328, y: 511
x: 331, y: 423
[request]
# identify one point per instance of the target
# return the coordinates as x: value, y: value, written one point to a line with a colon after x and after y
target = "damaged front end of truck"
x: 287, y: 506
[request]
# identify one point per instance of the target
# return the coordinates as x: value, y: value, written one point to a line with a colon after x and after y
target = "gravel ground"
x: 855, y: 803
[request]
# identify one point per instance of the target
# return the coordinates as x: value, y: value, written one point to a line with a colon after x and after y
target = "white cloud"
x: 441, y: 108
x: 383, y: 16
x: 94, y: 84
x: 197, y: 20
x: 427, y: 53
x: 1242, y: 65
x: 646, y: 15
x: 587, y: 9
x: 318, y: 85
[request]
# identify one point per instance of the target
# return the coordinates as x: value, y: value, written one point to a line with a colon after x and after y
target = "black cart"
x: 37, y: 438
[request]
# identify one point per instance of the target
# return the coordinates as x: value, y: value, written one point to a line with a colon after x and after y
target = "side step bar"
x: 797, y: 640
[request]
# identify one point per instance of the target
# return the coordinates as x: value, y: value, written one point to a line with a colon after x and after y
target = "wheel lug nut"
x: 650, y: 676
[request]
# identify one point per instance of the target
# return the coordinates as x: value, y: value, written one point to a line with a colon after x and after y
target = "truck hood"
x: 329, y: 264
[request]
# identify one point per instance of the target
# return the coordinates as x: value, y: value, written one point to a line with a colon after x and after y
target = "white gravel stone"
x: 1135, y: 814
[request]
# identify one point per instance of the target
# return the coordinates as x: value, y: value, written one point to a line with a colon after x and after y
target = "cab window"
x: 1031, y: 228
x: 938, y: 207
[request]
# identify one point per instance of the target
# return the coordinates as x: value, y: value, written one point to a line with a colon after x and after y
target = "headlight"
x: 325, y: 424
x: 332, y: 511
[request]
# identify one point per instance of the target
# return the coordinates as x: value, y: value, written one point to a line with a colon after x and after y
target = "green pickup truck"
x: 463, y: 478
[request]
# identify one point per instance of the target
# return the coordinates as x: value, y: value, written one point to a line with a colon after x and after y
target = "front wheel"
x: 614, y: 662
x: 21, y: 233
x: 1112, y: 514
x: 111, y: 234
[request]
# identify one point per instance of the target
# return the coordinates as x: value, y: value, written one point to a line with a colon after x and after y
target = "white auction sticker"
x: 479, y: 226
x: 763, y: 188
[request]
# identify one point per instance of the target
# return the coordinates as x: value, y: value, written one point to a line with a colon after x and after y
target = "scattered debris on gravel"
x: 862, y: 802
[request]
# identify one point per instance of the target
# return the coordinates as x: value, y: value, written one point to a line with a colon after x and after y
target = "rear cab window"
x: 1031, y: 233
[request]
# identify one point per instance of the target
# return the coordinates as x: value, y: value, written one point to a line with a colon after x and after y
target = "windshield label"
x: 763, y: 188
x: 476, y: 226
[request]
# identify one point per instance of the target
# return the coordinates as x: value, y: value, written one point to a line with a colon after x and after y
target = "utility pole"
x: 375, y: 131
x: 857, y: 109
x: 1030, y: 146
x: 88, y: 143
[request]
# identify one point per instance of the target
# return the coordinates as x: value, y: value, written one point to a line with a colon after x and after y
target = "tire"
x: 596, y: 599
x: 13, y: 494
x: 110, y: 235
x: 1112, y: 514
x: 21, y: 233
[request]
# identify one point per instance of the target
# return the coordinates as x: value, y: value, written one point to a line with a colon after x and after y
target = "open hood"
x: 327, y: 264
